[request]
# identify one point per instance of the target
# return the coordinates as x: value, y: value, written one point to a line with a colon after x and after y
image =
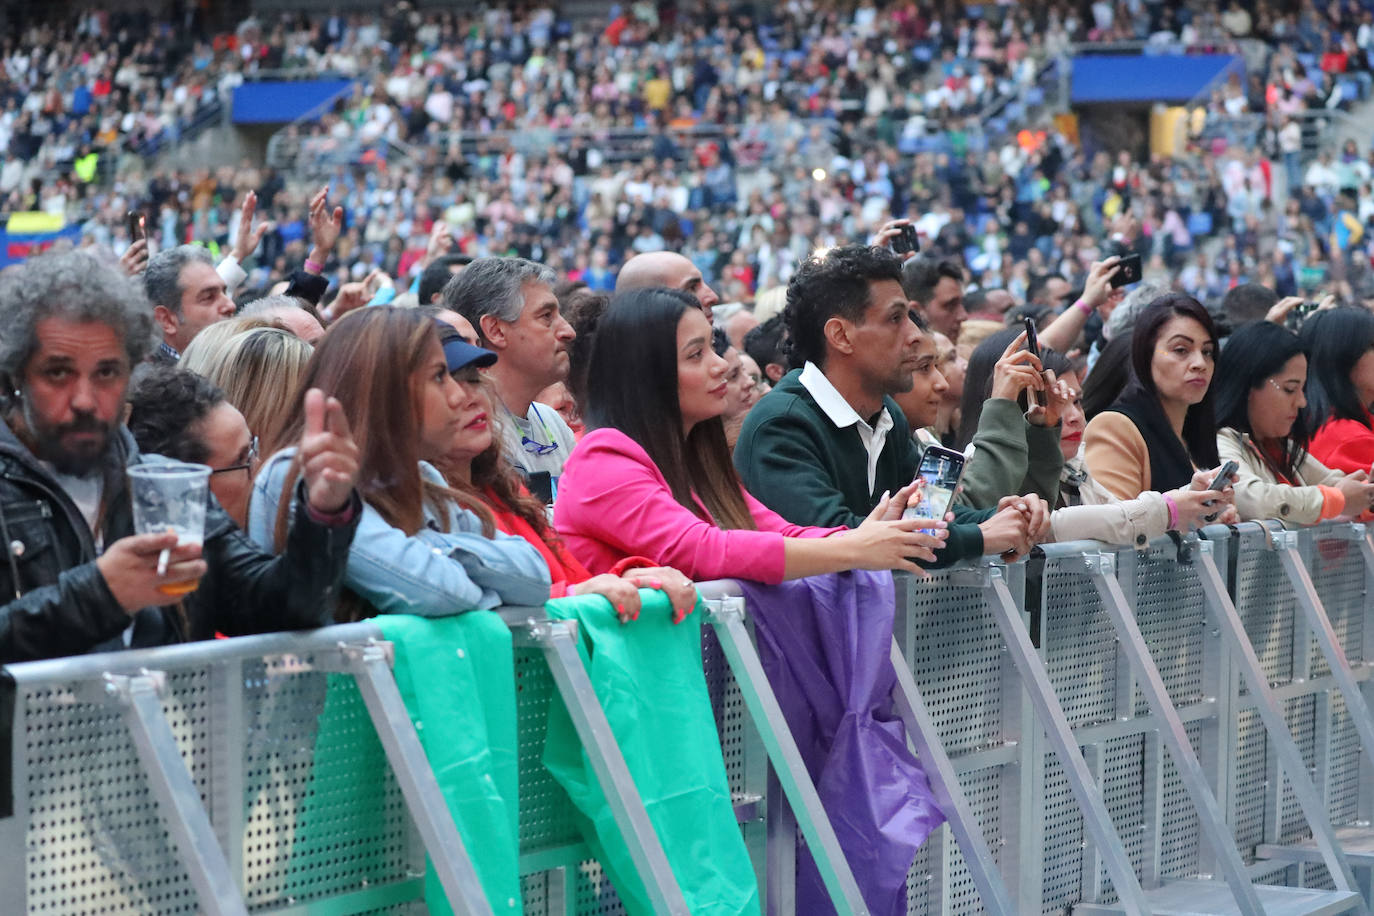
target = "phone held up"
x: 1128, y: 271
x: 1033, y: 345
x: 137, y: 226
x: 941, y: 469
x: 907, y: 240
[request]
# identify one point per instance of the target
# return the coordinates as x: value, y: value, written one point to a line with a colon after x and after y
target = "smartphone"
x: 137, y: 228
x: 907, y: 240
x: 1128, y: 271
x: 1033, y: 345
x: 1223, y: 478
x: 941, y: 468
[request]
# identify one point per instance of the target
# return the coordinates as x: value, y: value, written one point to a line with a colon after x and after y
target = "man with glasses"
x: 180, y: 415
x: 511, y: 305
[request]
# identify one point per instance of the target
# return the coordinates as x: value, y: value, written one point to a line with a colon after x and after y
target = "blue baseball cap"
x: 459, y: 354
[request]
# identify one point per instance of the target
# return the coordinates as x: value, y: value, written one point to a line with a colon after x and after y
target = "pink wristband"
x: 1083, y: 307
x: 1173, y: 511
x: 312, y: 268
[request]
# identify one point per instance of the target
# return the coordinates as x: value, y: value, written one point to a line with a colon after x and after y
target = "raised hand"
x: 325, y: 226
x: 1058, y: 397
x: 1016, y: 371
x: 1098, y: 288
x: 328, y: 454
x: 247, y: 239
x: 889, y: 231
x: 134, y: 260
x: 440, y: 243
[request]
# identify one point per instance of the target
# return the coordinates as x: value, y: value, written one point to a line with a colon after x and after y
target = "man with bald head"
x: 666, y: 268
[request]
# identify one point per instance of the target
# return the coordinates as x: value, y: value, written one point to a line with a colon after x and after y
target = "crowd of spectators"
x: 745, y: 137
x: 563, y: 441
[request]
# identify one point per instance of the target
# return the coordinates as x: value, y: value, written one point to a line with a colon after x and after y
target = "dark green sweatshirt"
x: 795, y: 461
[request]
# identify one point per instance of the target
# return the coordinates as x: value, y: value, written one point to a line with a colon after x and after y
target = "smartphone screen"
x: 1129, y: 271
x: 941, y: 469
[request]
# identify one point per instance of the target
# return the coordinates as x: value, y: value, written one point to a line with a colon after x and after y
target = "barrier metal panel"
x: 1314, y: 708
x: 247, y: 716
x: 93, y: 835
x: 1093, y: 678
x: 946, y: 631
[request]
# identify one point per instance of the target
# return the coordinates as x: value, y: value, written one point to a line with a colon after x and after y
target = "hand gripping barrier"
x: 1163, y: 731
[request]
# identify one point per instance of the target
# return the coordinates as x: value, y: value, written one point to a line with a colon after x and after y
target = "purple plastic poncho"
x: 825, y: 644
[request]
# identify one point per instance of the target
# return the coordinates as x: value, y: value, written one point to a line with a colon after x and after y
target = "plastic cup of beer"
x: 171, y: 497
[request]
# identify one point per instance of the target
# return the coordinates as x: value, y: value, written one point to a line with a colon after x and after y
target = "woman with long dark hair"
x: 1340, y: 387
x: 1161, y: 429
x: 1260, y: 400
x: 423, y: 547
x: 474, y: 465
x: 653, y: 476
x: 1082, y: 507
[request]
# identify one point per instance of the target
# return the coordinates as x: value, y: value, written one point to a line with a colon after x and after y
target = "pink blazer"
x: 613, y: 503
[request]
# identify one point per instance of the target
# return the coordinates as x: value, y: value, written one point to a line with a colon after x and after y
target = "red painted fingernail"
x: 655, y: 583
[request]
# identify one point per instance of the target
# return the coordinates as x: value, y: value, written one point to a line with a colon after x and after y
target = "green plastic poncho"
x: 648, y: 677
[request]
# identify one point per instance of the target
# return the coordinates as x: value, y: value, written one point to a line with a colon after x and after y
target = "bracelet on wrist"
x: 1083, y: 307
x: 1173, y: 511
x: 313, y: 267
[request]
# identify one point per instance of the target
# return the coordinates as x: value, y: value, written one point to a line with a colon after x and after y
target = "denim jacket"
x: 431, y: 573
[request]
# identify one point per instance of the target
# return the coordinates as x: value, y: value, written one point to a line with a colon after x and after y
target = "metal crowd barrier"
x: 1184, y: 729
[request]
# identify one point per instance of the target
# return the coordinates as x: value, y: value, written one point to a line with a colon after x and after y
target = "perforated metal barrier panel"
x: 302, y: 799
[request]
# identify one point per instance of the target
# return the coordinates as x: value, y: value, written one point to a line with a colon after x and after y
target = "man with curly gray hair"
x: 75, y: 576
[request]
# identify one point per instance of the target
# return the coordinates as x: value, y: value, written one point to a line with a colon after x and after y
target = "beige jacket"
x: 1259, y: 495
x: 1103, y: 517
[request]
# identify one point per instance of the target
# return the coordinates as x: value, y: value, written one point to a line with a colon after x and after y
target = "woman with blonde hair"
x: 257, y: 369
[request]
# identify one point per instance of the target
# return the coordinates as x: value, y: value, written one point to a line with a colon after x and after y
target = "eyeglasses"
x: 539, y: 448
x: 245, y: 466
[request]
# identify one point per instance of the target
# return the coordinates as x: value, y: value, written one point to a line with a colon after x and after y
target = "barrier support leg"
x: 1223, y: 613
x: 557, y: 639
x: 948, y: 794
x: 1051, y: 715
x: 370, y: 665
x: 1286, y: 543
x: 140, y: 702
x: 1102, y: 570
x: 727, y: 617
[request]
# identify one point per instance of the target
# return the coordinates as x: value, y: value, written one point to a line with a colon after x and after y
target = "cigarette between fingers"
x: 162, y: 560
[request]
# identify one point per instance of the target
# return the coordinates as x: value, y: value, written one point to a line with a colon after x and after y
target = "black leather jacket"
x: 56, y: 601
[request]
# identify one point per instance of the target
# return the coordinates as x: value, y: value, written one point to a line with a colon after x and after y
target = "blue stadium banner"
x: 280, y: 101
x: 1148, y: 78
